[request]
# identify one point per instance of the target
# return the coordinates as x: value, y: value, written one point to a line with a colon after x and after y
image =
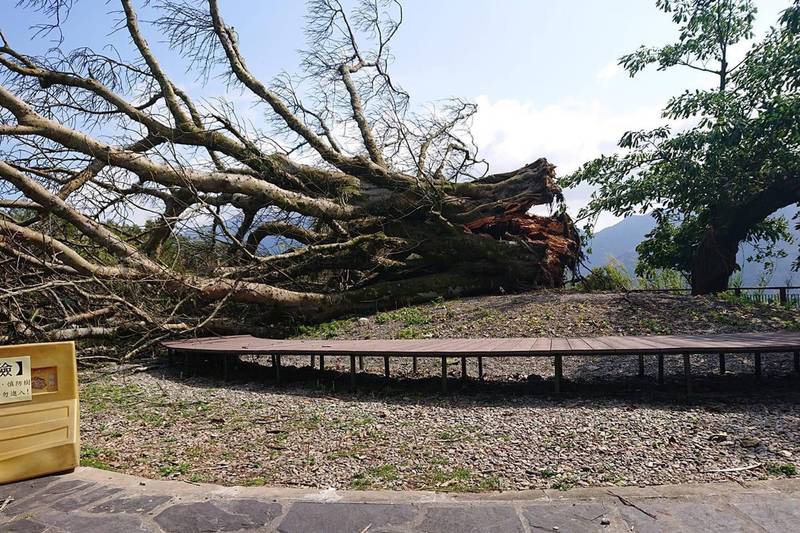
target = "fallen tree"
x: 341, y: 200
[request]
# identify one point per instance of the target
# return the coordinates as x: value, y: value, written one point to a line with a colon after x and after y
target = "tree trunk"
x: 713, y: 263
x: 714, y: 259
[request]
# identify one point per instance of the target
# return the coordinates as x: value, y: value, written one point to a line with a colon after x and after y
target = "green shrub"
x: 660, y: 278
x: 612, y: 276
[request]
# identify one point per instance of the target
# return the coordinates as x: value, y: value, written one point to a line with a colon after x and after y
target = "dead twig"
x: 735, y: 469
x: 8, y: 500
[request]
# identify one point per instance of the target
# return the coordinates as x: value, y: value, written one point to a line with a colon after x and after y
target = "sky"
x: 542, y: 72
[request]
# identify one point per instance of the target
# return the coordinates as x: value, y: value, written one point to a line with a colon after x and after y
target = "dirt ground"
x: 609, y: 427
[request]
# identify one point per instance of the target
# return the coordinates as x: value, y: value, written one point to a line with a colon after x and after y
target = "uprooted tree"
x: 342, y: 199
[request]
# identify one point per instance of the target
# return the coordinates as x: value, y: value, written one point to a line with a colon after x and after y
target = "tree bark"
x: 714, y: 260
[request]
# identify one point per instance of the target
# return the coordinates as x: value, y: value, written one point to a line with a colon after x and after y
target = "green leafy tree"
x: 713, y: 184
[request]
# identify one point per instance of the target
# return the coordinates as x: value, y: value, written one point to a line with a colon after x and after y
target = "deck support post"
x: 558, y: 374
x: 464, y: 368
x: 480, y: 368
x: 277, y: 361
x: 797, y: 362
x: 321, y: 363
x: 722, y: 364
x: 757, y: 364
x: 352, y: 373
x: 444, y: 374
x: 661, y: 369
x: 186, y: 363
x: 361, y: 362
x: 641, y: 366
x: 414, y: 364
x: 226, y: 361
x: 687, y: 373
x: 312, y: 361
x: 386, y: 366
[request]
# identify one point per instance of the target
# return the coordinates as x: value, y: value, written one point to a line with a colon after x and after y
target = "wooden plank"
x: 667, y: 344
x: 512, y: 347
x: 540, y: 346
x: 559, y: 345
x: 486, y: 346
x: 597, y: 345
x: 578, y: 345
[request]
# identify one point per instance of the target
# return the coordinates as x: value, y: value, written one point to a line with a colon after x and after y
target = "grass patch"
x: 547, y: 473
x: 173, y: 469
x: 374, y: 476
x: 782, y: 469
x: 95, y: 457
x: 565, y: 482
x: 98, y: 397
x: 409, y: 332
x: 325, y: 330
x: 654, y: 326
x: 408, y: 316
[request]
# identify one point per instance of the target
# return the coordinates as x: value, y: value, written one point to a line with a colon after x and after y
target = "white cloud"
x: 610, y: 70
x: 512, y: 133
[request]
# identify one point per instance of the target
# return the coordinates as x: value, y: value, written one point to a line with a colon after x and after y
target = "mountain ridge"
x: 620, y: 240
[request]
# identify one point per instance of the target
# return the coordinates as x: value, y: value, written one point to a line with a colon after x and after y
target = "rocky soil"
x: 508, y: 432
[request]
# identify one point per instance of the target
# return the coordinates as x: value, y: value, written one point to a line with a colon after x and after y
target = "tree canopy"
x: 728, y: 156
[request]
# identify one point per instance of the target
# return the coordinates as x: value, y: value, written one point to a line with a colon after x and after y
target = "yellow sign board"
x: 39, y: 431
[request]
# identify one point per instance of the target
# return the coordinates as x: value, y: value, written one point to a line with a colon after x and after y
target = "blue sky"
x: 543, y: 72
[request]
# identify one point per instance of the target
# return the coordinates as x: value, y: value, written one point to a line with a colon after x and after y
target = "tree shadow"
x: 589, y: 381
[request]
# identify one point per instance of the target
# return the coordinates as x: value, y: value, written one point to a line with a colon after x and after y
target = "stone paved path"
x: 95, y: 501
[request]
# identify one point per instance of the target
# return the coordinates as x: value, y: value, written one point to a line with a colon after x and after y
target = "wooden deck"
x: 686, y: 345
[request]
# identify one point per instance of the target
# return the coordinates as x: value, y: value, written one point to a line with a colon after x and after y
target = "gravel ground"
x: 608, y: 428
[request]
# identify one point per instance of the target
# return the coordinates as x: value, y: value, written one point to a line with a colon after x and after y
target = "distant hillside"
x: 620, y: 241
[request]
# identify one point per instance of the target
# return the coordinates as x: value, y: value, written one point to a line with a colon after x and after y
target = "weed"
x: 360, y: 482
x: 490, y: 483
x: 409, y: 332
x: 408, y: 316
x: 779, y: 469
x: 98, y: 397
x: 91, y: 457
x: 547, y: 473
x: 325, y: 330
x: 564, y: 483
x: 384, y: 472
x: 173, y: 469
